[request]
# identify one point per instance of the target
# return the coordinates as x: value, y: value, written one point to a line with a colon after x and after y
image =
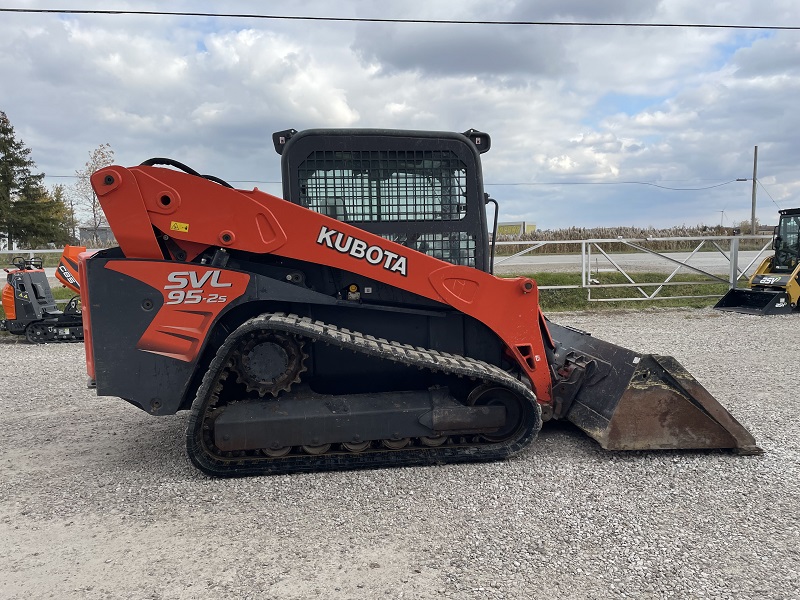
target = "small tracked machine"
x: 354, y: 322
x: 774, y: 289
x: 29, y: 306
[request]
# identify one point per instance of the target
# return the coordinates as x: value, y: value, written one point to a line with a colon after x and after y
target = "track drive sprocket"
x: 269, y: 362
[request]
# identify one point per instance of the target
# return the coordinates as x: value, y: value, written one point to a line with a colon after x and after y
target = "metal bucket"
x: 631, y: 401
x: 755, y: 302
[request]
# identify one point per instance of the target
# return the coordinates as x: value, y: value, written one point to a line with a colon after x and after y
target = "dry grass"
x: 638, y: 233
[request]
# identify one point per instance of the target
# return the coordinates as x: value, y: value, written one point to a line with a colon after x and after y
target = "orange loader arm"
x: 198, y: 214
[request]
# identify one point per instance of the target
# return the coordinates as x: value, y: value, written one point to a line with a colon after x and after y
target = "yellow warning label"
x: 177, y: 226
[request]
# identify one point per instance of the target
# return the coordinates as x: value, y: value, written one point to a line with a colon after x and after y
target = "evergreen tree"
x: 38, y: 218
x: 30, y: 216
x: 68, y: 200
x: 15, y: 177
x: 65, y: 207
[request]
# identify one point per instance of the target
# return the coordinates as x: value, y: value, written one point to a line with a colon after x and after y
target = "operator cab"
x: 787, y: 241
x: 423, y: 190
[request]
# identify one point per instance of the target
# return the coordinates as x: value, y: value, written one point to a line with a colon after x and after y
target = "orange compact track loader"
x: 29, y: 305
x: 355, y: 322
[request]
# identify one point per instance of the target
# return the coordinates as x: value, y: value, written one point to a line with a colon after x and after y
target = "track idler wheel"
x: 433, y: 441
x: 36, y: 333
x: 491, y: 395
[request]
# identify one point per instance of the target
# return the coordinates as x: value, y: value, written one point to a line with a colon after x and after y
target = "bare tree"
x: 85, y: 198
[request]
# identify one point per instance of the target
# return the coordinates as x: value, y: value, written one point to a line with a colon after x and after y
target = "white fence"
x: 709, y: 258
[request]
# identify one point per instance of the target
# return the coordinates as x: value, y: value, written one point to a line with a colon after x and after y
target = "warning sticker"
x: 178, y: 226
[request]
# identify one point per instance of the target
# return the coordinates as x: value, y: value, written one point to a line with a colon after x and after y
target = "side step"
x: 755, y: 302
x: 631, y: 401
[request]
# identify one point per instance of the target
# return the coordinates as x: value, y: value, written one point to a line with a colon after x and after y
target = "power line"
x: 229, y: 180
x: 516, y: 183
x: 758, y: 181
x: 395, y: 21
x: 663, y: 187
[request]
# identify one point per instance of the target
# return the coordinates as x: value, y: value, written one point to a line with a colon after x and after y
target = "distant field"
x: 575, y: 299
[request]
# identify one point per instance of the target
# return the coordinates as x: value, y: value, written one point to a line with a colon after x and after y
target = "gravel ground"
x: 98, y: 499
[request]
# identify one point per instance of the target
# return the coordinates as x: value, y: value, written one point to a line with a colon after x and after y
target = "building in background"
x: 515, y: 228
x: 93, y: 237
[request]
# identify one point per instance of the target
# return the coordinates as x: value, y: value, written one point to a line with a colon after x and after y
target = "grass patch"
x: 577, y: 299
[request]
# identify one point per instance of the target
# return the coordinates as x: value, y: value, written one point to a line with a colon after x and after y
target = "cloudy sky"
x: 588, y: 124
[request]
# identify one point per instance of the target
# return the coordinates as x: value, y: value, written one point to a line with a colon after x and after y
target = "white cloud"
x: 677, y: 107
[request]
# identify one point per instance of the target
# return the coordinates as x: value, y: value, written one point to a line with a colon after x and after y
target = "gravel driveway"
x: 98, y: 500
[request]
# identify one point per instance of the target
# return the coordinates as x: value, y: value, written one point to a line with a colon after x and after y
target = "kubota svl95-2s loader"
x: 354, y: 323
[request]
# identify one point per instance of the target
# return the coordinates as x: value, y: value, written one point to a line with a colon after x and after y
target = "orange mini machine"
x: 29, y: 305
x: 356, y: 322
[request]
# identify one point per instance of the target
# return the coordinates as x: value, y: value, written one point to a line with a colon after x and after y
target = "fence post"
x: 584, y: 277
x: 734, y: 275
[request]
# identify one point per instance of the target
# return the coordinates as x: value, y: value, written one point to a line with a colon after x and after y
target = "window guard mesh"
x: 379, y: 186
x: 384, y: 185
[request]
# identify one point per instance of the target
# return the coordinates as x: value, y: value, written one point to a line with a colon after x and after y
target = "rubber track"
x: 351, y: 340
x: 52, y: 338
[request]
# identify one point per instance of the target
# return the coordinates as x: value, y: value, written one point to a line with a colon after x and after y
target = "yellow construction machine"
x: 775, y: 286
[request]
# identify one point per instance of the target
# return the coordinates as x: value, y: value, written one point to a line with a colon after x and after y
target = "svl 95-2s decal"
x: 180, y: 280
x: 191, y: 299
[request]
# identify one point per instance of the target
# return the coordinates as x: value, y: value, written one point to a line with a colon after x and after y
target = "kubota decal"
x: 374, y: 255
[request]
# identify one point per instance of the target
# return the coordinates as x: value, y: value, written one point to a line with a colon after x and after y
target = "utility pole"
x: 755, y: 180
